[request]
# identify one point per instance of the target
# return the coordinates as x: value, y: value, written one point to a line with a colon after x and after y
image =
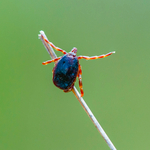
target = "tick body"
x: 65, y: 72
x: 67, y: 68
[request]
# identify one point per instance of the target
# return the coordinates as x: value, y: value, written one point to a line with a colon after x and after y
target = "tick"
x: 67, y: 68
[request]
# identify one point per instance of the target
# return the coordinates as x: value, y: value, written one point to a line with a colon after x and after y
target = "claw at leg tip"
x: 82, y: 95
x: 43, y: 63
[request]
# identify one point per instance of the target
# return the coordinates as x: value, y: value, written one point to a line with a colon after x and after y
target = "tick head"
x: 73, y: 51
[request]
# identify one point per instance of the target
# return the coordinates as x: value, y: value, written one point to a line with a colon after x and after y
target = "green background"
x: 34, y: 114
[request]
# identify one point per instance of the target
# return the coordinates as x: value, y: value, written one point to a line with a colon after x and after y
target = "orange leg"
x: 49, y: 61
x: 80, y: 81
x: 95, y: 57
x: 52, y: 45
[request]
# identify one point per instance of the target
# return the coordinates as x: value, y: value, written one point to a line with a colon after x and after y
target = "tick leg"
x: 49, y: 61
x: 95, y: 57
x: 80, y: 81
x: 52, y: 45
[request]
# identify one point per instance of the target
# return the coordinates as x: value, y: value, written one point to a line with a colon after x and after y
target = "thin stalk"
x: 80, y: 99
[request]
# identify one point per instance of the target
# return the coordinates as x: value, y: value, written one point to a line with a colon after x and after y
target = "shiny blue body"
x: 65, y: 72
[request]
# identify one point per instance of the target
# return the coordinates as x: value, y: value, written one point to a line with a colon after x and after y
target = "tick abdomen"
x: 65, y: 71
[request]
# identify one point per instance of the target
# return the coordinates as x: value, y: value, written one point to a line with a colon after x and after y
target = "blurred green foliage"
x: 34, y: 114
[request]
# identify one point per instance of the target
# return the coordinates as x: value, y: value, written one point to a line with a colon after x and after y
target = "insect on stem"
x: 48, y: 47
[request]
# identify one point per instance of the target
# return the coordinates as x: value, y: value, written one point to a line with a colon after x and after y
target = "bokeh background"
x: 34, y: 114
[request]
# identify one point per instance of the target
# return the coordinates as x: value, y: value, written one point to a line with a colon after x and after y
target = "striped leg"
x: 95, y: 57
x: 80, y: 81
x: 52, y: 45
x: 49, y: 61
